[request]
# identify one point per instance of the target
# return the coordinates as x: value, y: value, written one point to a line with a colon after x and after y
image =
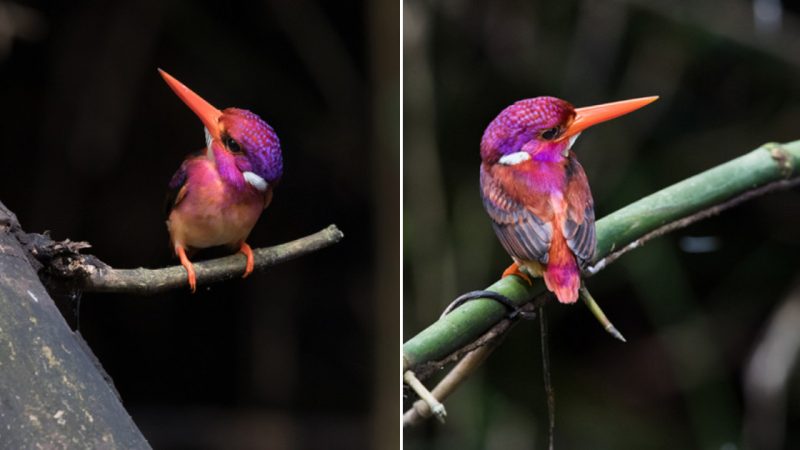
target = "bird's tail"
x: 562, y: 275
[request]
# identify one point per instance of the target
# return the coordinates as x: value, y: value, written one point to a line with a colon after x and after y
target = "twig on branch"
x: 92, y: 275
x: 469, y: 358
x: 548, y: 385
x: 421, y: 410
x: 490, y: 337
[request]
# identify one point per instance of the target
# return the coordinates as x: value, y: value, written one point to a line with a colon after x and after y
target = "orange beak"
x: 592, y: 115
x: 208, y: 114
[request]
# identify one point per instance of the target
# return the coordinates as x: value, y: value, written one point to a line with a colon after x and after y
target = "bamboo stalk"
x: 770, y: 167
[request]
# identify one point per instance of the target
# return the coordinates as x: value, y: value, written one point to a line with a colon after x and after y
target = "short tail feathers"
x: 562, y: 275
x: 564, y: 282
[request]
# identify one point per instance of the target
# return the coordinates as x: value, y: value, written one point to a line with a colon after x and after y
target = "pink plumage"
x: 217, y: 195
x: 537, y: 194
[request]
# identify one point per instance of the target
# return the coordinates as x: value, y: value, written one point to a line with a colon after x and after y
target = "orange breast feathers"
x: 208, y: 213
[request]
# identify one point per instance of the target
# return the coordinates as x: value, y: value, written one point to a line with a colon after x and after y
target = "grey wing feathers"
x: 523, y: 234
x: 581, y: 237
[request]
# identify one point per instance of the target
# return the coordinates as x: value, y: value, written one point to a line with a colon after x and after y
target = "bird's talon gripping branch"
x: 514, y: 310
x: 437, y: 408
x: 599, y: 314
x: 248, y: 252
x: 514, y: 269
x: 188, y: 266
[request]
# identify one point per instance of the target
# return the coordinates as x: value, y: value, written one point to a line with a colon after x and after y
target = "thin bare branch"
x: 92, y: 275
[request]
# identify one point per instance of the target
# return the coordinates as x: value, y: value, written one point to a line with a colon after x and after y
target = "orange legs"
x: 514, y: 269
x: 248, y: 252
x: 189, y: 267
x: 243, y: 248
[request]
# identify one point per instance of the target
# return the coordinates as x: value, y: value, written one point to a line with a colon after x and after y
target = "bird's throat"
x: 209, y: 147
x: 570, y: 143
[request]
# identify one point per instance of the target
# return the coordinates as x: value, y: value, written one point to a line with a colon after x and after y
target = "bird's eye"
x: 551, y: 133
x: 232, y: 145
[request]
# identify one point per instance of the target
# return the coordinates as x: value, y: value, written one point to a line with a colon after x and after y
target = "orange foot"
x: 248, y: 252
x: 514, y: 269
x: 188, y: 266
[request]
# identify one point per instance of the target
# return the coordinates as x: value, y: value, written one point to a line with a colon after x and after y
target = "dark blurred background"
x: 290, y: 357
x: 711, y: 312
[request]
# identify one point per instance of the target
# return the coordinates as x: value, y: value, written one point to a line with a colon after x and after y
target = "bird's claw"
x: 179, y: 250
x: 248, y: 252
x: 514, y: 269
x: 192, y: 279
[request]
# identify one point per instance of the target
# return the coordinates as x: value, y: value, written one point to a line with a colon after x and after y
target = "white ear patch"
x: 514, y: 158
x: 255, y: 181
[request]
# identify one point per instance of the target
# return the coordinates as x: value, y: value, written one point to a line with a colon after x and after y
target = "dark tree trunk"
x: 53, y: 392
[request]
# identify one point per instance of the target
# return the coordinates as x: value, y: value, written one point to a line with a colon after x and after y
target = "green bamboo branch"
x: 770, y: 167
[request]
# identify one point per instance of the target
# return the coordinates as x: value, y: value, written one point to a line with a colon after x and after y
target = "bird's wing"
x: 177, y: 188
x: 523, y: 228
x: 578, y: 228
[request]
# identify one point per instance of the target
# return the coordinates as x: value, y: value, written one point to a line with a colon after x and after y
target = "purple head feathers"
x: 254, y: 143
x: 521, y: 123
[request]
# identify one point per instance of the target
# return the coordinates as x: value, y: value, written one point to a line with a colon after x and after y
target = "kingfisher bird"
x: 536, y: 192
x: 218, y: 193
